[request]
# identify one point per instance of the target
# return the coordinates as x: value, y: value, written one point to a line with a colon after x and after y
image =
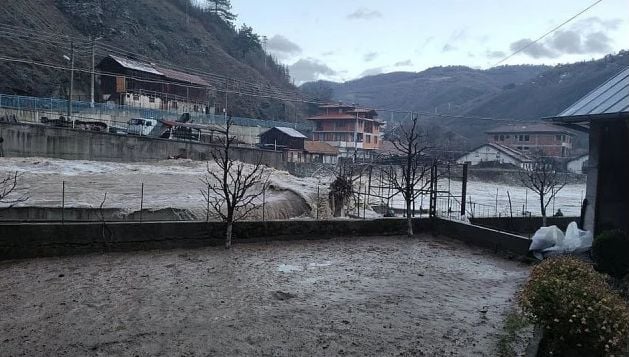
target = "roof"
x: 288, y: 131
x: 609, y: 100
x: 577, y: 158
x: 160, y: 71
x: 320, y: 147
x: 511, y: 152
x: 181, y: 76
x: 342, y: 116
x: 135, y: 65
x: 529, y: 128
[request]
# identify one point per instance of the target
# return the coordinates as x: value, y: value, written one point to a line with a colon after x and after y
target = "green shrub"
x: 610, y: 250
x: 576, y: 307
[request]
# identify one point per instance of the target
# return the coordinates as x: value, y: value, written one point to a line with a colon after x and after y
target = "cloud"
x: 368, y: 57
x: 327, y: 53
x: 531, y: 49
x: 585, y: 37
x: 309, y: 69
x: 280, y: 43
x: 406, y: 63
x: 494, y: 54
x: 364, y: 13
x: 371, y: 72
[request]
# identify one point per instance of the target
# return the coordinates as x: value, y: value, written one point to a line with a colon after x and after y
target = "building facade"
x: 498, y: 154
x: 354, y: 131
x: 550, y: 140
x: 145, y: 85
x: 604, y: 113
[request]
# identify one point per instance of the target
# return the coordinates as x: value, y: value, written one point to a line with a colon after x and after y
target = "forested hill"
x: 173, y: 32
x: 506, y: 92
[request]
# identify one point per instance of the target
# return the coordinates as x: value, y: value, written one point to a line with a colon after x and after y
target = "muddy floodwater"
x: 372, y: 296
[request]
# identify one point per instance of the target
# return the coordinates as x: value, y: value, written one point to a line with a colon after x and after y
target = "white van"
x: 139, y: 126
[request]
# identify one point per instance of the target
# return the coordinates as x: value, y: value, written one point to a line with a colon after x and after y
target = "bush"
x: 576, y: 307
x: 611, y: 253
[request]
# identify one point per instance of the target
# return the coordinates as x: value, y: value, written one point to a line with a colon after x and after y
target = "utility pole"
x: 93, y: 73
x: 356, y: 135
x: 71, y: 80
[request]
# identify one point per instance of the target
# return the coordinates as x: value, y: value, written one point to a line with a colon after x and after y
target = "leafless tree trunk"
x: 8, y: 191
x: 230, y: 193
x: 407, y: 176
x: 544, y: 179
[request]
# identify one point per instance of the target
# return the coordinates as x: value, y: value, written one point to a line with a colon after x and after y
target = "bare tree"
x: 8, y: 191
x: 230, y: 193
x: 341, y: 189
x: 545, y: 179
x: 410, y: 165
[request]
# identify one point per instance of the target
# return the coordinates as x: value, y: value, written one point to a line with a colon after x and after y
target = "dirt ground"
x: 371, y: 296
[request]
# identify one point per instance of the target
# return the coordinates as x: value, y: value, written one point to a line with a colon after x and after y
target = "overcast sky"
x: 344, y: 39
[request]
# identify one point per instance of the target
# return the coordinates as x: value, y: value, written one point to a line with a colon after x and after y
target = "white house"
x: 496, y: 153
x: 576, y: 165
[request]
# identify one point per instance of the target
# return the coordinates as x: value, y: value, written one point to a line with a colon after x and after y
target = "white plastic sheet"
x: 549, y: 241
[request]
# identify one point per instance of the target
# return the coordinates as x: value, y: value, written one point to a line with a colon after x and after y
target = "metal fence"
x: 84, y: 109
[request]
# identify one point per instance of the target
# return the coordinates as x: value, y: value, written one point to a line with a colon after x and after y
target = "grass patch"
x: 513, y: 324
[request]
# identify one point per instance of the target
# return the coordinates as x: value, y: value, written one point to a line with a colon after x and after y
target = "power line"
x: 548, y: 33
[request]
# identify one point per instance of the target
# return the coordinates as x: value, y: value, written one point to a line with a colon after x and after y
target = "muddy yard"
x: 371, y: 296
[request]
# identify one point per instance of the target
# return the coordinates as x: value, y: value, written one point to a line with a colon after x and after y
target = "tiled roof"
x: 320, y: 147
x: 529, y: 128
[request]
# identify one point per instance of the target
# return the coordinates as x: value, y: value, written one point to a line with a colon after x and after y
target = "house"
x: 604, y: 113
x: 497, y: 154
x: 320, y: 152
x: 288, y: 140
x: 146, y: 85
x: 552, y: 141
x: 577, y: 165
x: 354, y: 131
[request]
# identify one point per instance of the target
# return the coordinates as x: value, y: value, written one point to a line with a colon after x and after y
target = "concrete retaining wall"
x: 55, y: 239
x: 522, y: 225
x: 24, y: 140
x: 483, y: 237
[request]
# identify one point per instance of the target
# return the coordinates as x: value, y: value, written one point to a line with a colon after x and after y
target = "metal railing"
x: 59, y: 107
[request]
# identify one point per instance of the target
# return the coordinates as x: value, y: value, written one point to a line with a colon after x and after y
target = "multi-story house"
x: 550, y: 140
x: 354, y: 131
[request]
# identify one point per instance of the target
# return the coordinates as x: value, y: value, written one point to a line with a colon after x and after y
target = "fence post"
x: 318, y: 201
x: 141, y: 201
x: 63, y: 201
x: 464, y: 189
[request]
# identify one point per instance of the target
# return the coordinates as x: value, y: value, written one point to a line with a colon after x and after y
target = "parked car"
x: 140, y: 126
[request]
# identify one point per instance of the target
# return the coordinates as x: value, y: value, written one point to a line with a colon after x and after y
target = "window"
x: 375, y: 139
x: 526, y: 138
x: 502, y: 138
x: 496, y: 137
x: 174, y: 105
x: 136, y: 97
x: 368, y: 139
x: 558, y: 137
x: 151, y: 99
x: 526, y: 148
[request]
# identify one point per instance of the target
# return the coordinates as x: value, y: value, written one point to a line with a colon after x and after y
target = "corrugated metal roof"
x: 290, y: 132
x: 135, y: 65
x: 181, y: 76
x: 611, y: 97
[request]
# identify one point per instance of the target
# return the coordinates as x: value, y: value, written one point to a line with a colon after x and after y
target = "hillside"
x: 506, y: 92
x: 171, y: 32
